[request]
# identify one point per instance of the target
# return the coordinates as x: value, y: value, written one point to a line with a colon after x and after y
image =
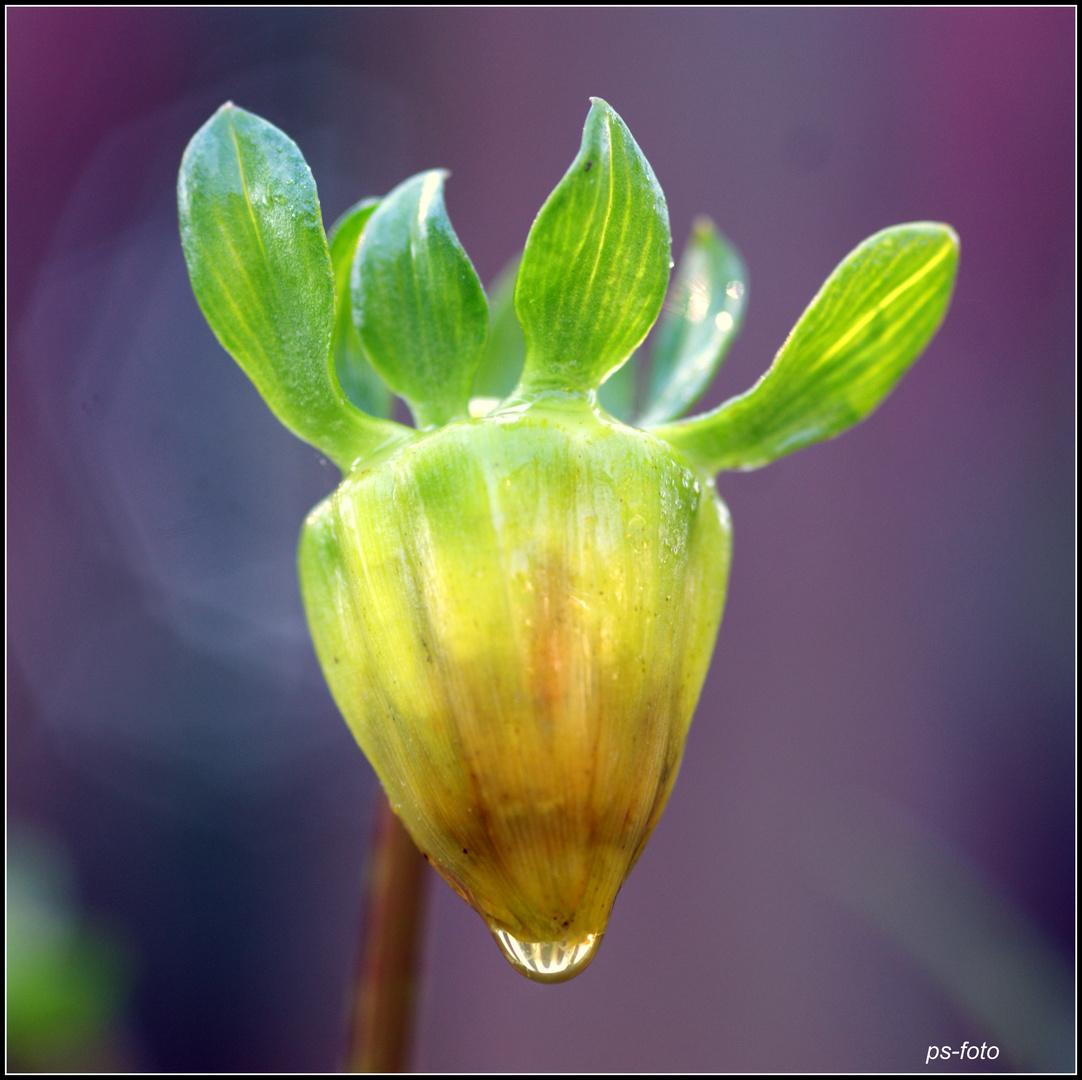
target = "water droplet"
x: 548, y: 961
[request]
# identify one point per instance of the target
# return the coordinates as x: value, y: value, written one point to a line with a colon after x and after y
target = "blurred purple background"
x: 870, y: 848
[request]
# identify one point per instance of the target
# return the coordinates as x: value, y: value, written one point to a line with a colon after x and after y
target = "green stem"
x: 386, y: 978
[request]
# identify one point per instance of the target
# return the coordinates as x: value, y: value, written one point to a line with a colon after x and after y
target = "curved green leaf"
x: 868, y: 323
x: 698, y: 324
x: 258, y: 261
x: 418, y: 306
x: 358, y: 378
x: 596, y: 263
x: 505, y: 349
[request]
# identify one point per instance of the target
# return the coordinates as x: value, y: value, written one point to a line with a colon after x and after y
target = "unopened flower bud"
x: 516, y: 615
x: 515, y: 602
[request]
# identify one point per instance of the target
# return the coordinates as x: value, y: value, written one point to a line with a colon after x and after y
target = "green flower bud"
x: 515, y: 612
x: 515, y: 615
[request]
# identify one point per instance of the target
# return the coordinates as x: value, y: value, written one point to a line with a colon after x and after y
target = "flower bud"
x: 515, y: 615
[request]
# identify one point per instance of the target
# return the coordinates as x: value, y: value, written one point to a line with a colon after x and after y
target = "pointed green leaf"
x: 596, y: 263
x: 358, y: 378
x: 699, y: 323
x: 260, y: 269
x: 868, y: 323
x: 618, y: 393
x: 418, y: 306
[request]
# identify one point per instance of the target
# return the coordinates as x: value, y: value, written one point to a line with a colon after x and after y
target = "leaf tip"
x: 227, y: 111
x: 703, y: 227
x: 431, y: 193
x: 941, y: 228
x: 601, y: 112
x: 944, y: 234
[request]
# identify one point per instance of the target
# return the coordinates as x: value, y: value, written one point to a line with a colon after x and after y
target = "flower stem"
x: 386, y: 976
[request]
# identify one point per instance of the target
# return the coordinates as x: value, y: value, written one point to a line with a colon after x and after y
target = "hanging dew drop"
x: 548, y: 961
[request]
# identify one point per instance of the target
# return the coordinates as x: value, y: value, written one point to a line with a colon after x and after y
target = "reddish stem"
x: 386, y: 979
